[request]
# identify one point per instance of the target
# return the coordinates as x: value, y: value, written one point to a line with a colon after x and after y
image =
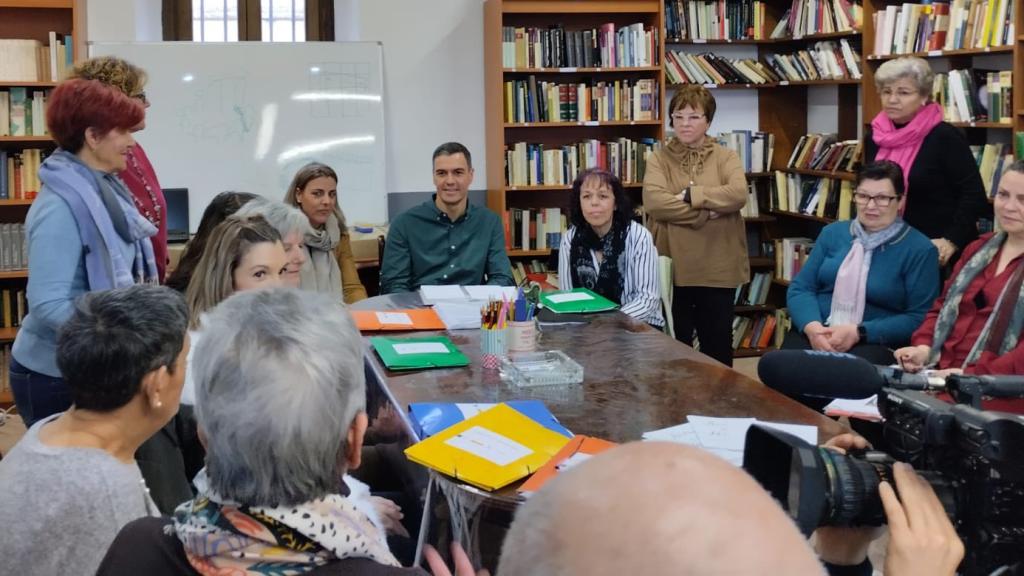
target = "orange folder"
x: 412, y: 319
x: 578, y: 445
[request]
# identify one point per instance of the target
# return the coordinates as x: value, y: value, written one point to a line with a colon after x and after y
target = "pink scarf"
x: 901, y: 145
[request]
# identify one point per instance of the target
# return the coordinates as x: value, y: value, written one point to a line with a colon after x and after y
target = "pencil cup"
x: 522, y: 336
x: 494, y: 345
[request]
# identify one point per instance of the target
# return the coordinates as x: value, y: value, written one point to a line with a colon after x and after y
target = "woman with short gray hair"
x: 944, y: 195
x: 293, y: 226
x: 281, y: 393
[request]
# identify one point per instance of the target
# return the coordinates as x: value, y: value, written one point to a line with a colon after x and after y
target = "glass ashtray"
x: 548, y: 368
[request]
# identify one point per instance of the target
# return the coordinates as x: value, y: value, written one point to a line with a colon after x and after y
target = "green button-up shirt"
x: 425, y: 247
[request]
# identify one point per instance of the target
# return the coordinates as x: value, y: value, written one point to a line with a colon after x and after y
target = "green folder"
x: 576, y: 301
x: 418, y: 353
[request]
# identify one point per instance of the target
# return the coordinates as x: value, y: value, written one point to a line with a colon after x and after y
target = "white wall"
x: 124, y: 20
x: 433, y: 79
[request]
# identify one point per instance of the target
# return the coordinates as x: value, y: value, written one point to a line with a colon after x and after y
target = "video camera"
x: 973, y: 459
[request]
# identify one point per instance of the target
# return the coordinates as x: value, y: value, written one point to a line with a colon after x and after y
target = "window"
x: 233, y: 20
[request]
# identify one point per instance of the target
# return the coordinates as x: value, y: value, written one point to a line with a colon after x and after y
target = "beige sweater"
x: 704, y: 251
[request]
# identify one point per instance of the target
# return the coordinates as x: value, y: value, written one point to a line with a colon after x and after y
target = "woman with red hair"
x: 83, y: 231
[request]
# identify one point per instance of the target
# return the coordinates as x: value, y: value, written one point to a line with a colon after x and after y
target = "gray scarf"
x: 321, y: 272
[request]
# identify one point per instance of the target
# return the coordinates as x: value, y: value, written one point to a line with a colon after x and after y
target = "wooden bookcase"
x: 34, y: 20
x: 572, y: 14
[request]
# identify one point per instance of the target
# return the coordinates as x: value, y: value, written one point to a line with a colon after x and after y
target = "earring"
x: 158, y: 403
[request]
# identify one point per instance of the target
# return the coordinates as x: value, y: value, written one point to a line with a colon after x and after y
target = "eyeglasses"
x: 882, y: 201
x: 687, y: 118
x: 901, y: 94
x: 141, y: 97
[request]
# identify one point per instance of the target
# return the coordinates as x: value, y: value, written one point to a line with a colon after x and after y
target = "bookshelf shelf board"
x: 839, y: 82
x: 64, y: 4
x: 994, y: 125
x: 747, y: 308
x: 26, y: 84
x: 766, y: 85
x: 593, y: 123
x: 16, y: 202
x: 527, y: 253
x: 579, y: 6
x: 717, y: 41
x: 810, y: 217
x: 820, y: 36
x: 556, y: 187
x: 822, y: 173
x: 946, y: 53
x: 786, y: 40
x: 8, y: 334
x: 725, y: 86
x: 9, y: 274
x: 26, y: 139
x: 576, y: 70
x: 761, y: 262
x: 780, y: 281
x: 759, y: 219
x: 750, y: 352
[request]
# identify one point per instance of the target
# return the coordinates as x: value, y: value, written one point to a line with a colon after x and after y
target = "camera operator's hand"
x: 819, y: 334
x: 844, y: 546
x: 912, y: 358
x: 921, y: 538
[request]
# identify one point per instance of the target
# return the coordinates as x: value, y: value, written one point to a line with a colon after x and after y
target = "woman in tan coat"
x: 693, y: 192
x: 331, y: 266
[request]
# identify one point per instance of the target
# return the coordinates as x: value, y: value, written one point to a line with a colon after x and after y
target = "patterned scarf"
x: 850, y: 291
x: 1003, y: 327
x: 321, y: 271
x: 901, y: 145
x: 223, y: 537
x: 607, y: 279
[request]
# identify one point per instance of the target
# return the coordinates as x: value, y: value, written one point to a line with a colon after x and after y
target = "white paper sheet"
x: 573, y: 461
x: 489, y: 445
x: 485, y: 292
x: 421, y: 348
x: 683, y: 434
x: 806, y: 433
x: 569, y: 297
x: 431, y: 294
x: 472, y: 409
x: 398, y: 318
x: 459, y: 315
x: 723, y: 437
x: 721, y: 433
x: 865, y: 408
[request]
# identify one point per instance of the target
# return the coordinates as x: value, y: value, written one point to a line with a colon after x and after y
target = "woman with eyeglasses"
x: 694, y: 190
x: 943, y: 192
x: 138, y: 174
x: 869, y: 281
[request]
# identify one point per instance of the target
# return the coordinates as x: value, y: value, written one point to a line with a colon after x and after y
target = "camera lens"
x: 852, y: 487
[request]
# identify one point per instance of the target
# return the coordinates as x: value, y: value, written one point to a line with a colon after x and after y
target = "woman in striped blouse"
x: 606, y: 251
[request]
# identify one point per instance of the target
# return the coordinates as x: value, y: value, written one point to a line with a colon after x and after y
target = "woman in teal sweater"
x: 868, y: 282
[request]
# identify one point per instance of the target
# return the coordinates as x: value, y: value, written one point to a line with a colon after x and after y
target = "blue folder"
x: 429, y: 418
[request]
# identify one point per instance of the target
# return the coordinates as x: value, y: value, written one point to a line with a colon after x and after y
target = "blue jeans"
x: 37, y: 395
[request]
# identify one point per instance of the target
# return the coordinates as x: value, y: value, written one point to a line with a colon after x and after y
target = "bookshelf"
x: 30, y: 20
x: 513, y: 189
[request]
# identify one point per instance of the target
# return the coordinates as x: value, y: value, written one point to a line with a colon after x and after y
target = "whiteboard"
x: 246, y: 116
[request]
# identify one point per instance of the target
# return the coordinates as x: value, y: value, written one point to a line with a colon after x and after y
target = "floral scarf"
x: 606, y: 279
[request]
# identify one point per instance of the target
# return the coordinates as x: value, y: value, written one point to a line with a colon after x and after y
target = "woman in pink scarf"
x: 944, y: 192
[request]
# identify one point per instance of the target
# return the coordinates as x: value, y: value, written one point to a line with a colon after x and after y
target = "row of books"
x: 529, y: 164
x: 822, y: 61
x: 522, y: 270
x: 625, y: 99
x: 31, y: 61
x: 806, y: 17
x: 755, y: 292
x: 556, y: 47
x: 5, y: 375
x: 943, y: 25
x: 755, y: 149
x: 23, y: 113
x: 825, y: 152
x: 13, y: 308
x: 993, y: 160
x: 752, y: 208
x: 715, y: 20
x: 13, y: 248
x: 958, y: 94
x: 790, y: 256
x: 753, y: 331
x: 830, y: 198
x: 19, y: 174
x: 534, y: 229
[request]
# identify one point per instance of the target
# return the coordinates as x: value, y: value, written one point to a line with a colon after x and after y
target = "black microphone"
x: 819, y: 374
x: 990, y: 385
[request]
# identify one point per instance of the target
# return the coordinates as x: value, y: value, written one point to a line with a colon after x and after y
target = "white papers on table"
x: 724, y: 437
x: 421, y: 348
x: 865, y: 408
x: 491, y: 292
x: 396, y: 318
x: 459, y: 315
x: 569, y: 297
x: 489, y: 445
x: 433, y: 294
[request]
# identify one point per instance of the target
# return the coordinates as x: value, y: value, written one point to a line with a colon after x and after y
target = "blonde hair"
x: 120, y: 74
x: 213, y: 279
x: 307, y: 174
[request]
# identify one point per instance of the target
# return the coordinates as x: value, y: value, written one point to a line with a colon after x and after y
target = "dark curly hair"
x: 623, y: 207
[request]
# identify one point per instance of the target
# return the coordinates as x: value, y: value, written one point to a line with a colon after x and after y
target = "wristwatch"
x: 686, y: 195
x: 862, y: 334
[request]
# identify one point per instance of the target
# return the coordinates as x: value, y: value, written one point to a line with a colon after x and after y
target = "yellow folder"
x: 490, y: 450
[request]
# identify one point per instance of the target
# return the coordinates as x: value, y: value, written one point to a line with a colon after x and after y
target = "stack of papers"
x: 418, y: 353
x: 576, y: 301
x: 725, y: 437
x: 459, y: 315
x: 864, y: 409
x: 433, y: 294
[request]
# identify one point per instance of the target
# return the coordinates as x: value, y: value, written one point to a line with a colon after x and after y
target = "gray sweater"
x: 62, y: 507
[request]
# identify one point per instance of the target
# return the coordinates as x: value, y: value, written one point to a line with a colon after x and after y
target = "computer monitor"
x: 177, y: 214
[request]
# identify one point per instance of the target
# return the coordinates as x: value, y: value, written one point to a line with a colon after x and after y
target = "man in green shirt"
x: 446, y: 240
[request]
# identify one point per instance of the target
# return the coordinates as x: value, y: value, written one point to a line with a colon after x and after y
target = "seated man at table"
x: 446, y: 240
x: 657, y: 509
